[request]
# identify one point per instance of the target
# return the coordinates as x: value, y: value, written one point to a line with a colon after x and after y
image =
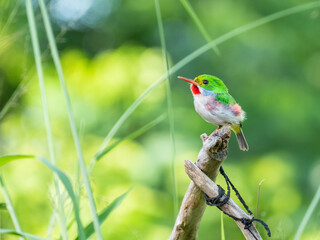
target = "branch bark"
x: 203, y: 175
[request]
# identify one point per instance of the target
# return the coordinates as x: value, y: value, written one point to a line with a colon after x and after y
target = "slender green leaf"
x: 258, y: 198
x: 3, y: 206
x: 127, y: 113
x: 22, y: 234
x: 68, y: 186
x: 131, y: 136
x: 200, y: 26
x: 89, y: 229
x: 57, y: 63
x: 11, y: 18
x: 13, y: 98
x: 63, y: 178
x: 223, y: 236
x: 52, y: 222
x: 170, y: 107
x: 9, y: 158
x: 45, y: 109
x: 183, y: 62
x: 10, y: 207
x: 306, y: 218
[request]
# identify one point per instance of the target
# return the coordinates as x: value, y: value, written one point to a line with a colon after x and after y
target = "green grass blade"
x: 243, y: 29
x: 63, y: 178
x: 89, y: 229
x: 37, y: 56
x: 200, y: 26
x: 183, y: 62
x: 10, y: 208
x: 127, y: 113
x: 11, y: 17
x: 68, y: 186
x: 223, y: 236
x: 258, y: 198
x: 131, y: 136
x: 308, y: 214
x: 3, y: 206
x: 170, y: 107
x: 9, y: 158
x: 52, y: 222
x: 13, y: 99
x: 21, y: 234
x: 56, y: 59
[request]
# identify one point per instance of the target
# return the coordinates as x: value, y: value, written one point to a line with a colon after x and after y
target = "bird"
x: 215, y: 105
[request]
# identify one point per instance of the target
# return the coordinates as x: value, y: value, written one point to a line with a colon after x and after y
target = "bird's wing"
x: 231, y: 106
x: 225, y: 98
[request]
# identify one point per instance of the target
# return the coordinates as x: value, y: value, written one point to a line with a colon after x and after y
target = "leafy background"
x: 111, y: 53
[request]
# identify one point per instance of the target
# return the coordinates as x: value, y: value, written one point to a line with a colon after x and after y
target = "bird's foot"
x: 204, y: 137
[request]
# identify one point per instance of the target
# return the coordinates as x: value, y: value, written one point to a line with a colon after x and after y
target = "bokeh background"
x: 111, y: 53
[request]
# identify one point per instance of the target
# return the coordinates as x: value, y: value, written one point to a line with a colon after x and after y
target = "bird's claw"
x: 204, y: 137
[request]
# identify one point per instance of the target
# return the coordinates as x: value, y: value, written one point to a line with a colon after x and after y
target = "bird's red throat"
x: 195, y: 90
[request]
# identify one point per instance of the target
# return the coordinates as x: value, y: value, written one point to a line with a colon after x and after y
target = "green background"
x: 111, y: 53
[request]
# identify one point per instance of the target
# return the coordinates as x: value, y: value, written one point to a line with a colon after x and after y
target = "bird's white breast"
x: 216, y: 112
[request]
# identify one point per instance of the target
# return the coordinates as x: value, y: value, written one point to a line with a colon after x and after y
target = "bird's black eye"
x: 205, y: 82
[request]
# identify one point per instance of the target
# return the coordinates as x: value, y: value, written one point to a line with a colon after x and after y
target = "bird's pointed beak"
x: 189, y: 80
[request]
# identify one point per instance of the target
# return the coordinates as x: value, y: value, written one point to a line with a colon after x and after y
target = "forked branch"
x: 203, y: 175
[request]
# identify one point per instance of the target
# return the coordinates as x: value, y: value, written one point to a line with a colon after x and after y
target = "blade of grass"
x: 308, y: 214
x: 10, y: 208
x: 13, y: 98
x: 245, y: 28
x: 223, y: 236
x: 258, y: 198
x: 9, y: 39
x: 63, y: 178
x: 13, y: 13
x: 89, y: 229
x: 52, y: 222
x: 126, y: 114
x: 170, y: 107
x: 21, y: 234
x: 56, y: 60
x: 37, y: 56
x: 200, y: 26
x: 131, y: 136
x: 78, y: 182
x: 183, y: 62
x: 9, y: 158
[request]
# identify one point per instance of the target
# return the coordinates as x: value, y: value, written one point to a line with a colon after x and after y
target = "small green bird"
x: 215, y: 105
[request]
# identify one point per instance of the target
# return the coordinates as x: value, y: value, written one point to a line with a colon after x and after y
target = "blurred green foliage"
x: 110, y: 52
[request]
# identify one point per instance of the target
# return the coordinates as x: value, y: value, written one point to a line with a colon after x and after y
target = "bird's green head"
x: 208, y: 82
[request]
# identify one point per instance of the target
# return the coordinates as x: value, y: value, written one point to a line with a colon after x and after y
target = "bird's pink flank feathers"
x: 236, y: 109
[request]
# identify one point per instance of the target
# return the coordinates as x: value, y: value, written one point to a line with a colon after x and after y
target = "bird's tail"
x: 240, y: 137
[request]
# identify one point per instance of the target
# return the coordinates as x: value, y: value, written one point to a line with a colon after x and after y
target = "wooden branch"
x: 213, y: 152
x: 211, y: 189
